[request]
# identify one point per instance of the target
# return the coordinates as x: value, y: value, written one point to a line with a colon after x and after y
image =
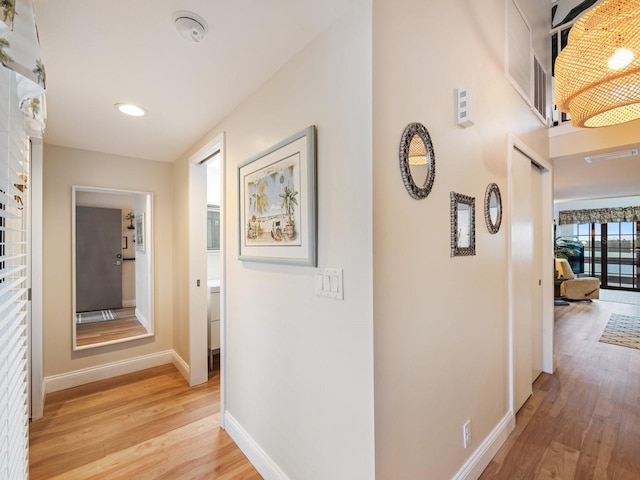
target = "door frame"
x: 36, y: 387
x: 546, y: 170
x: 198, y: 368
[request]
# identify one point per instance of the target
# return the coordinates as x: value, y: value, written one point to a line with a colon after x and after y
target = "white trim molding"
x: 181, y: 365
x: 482, y: 456
x: 55, y: 383
x: 256, y: 455
x: 142, y: 319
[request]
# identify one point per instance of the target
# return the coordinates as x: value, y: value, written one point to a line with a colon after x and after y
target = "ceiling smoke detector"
x: 190, y: 26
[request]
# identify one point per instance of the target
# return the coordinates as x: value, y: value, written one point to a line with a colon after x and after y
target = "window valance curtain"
x: 600, y: 215
x: 20, y: 53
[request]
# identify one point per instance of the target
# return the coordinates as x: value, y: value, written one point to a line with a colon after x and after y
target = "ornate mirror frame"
x: 460, y: 232
x: 492, y: 189
x: 414, y: 190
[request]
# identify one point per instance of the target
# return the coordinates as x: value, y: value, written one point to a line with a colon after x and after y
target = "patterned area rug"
x: 622, y: 330
x: 620, y: 296
x: 97, y: 316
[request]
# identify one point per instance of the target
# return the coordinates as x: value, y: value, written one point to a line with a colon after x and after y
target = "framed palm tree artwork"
x: 277, y: 199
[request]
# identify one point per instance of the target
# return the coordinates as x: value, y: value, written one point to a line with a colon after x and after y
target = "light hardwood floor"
x: 126, y: 326
x: 145, y: 425
x: 583, y: 422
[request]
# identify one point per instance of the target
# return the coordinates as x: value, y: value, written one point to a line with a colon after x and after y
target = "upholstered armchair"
x: 573, y: 288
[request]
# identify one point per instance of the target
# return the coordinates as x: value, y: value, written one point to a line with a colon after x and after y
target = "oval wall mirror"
x: 112, y: 266
x: 493, y: 208
x: 417, y: 160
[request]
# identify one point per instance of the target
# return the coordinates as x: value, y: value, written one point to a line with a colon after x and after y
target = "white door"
x: 526, y: 276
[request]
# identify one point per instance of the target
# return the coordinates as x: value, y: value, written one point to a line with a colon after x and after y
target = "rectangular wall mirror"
x: 112, y: 266
x: 463, y: 225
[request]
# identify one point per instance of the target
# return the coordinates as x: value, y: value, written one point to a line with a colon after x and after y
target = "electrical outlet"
x: 466, y: 433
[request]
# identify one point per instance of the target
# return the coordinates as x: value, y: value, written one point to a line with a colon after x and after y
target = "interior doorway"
x: 207, y: 260
x: 530, y: 274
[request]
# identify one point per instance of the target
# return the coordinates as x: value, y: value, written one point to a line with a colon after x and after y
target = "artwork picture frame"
x: 139, y: 233
x: 277, y: 200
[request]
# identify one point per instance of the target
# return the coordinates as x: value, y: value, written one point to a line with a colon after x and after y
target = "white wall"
x: 441, y: 323
x: 64, y: 167
x: 181, y: 267
x: 213, y: 182
x: 300, y: 367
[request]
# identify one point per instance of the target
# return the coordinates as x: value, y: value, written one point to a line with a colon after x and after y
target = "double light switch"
x: 329, y: 283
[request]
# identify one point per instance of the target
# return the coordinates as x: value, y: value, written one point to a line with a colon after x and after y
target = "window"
x: 213, y: 227
x: 14, y: 266
x: 611, y: 253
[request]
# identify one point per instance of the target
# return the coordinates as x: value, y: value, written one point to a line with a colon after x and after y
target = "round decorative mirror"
x: 417, y: 160
x: 493, y: 208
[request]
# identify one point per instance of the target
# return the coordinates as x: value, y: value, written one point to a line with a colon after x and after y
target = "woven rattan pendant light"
x: 598, y: 72
x: 417, y: 152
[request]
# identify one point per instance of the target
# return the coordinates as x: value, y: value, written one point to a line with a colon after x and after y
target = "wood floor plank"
x: 626, y: 453
x: 148, y: 424
x: 583, y: 422
x: 151, y: 456
x: 558, y: 461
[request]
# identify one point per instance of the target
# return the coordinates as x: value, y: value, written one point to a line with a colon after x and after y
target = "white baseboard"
x: 109, y: 370
x: 128, y: 303
x: 142, y: 319
x: 476, y: 464
x: 258, y: 458
x: 181, y: 365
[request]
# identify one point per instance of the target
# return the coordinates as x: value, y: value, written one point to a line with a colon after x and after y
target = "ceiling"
x: 575, y: 179
x: 100, y: 53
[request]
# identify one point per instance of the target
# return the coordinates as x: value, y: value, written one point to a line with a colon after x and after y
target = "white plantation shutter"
x: 14, y: 354
x: 540, y: 88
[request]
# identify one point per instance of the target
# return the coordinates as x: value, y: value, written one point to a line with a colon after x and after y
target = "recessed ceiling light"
x: 130, y: 109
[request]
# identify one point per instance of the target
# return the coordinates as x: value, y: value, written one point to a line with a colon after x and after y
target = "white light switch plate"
x: 328, y: 283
